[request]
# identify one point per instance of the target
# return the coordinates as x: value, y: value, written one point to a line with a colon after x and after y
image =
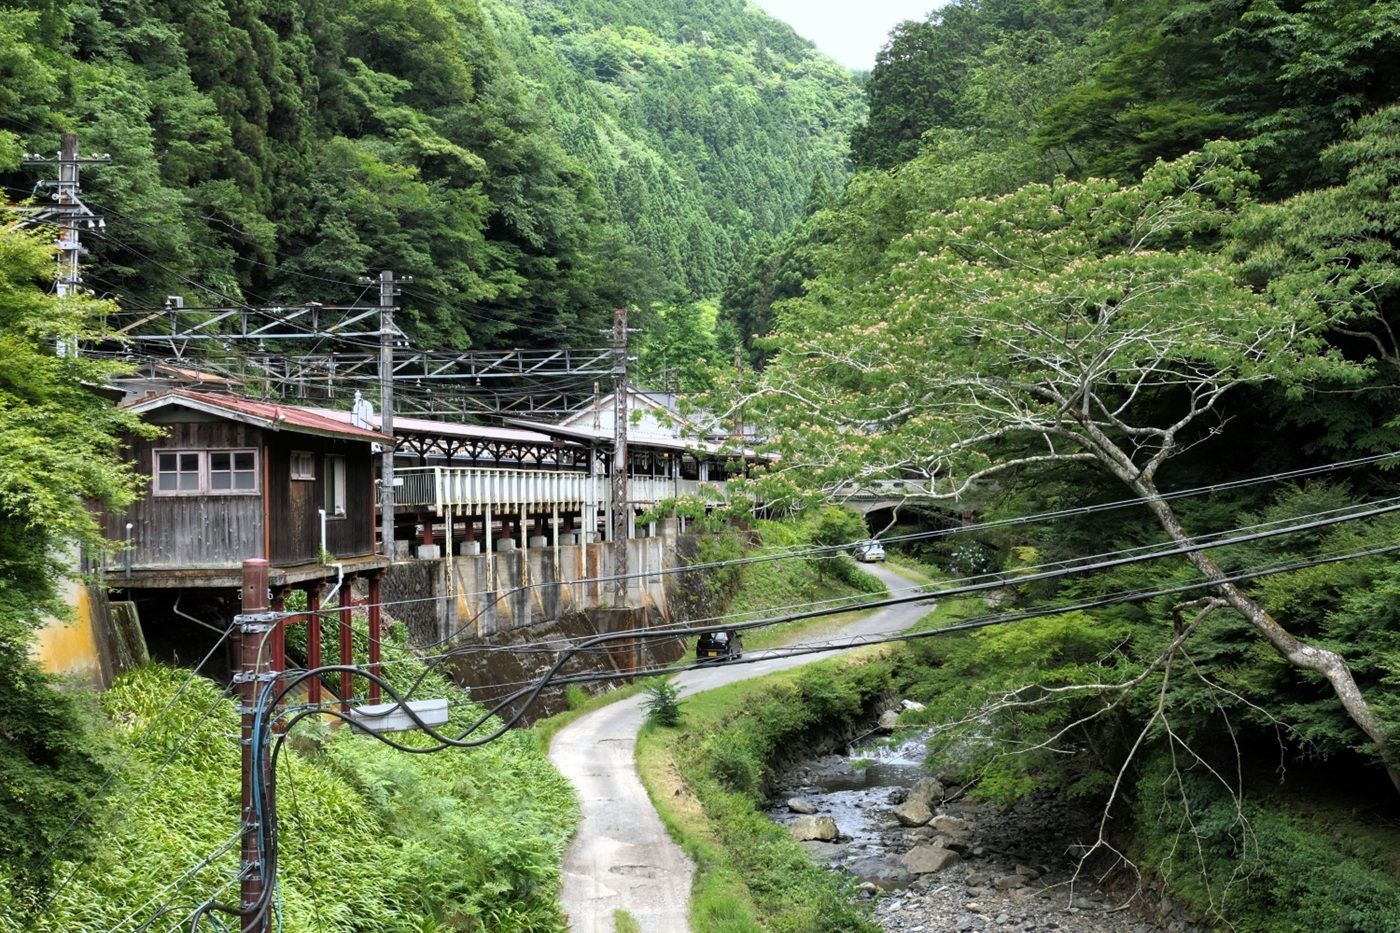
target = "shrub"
x: 662, y: 703
x: 575, y: 696
x: 462, y: 839
x: 733, y: 762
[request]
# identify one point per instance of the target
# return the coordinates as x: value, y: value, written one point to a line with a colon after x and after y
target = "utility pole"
x: 253, y: 622
x: 388, y: 291
x: 739, y: 412
x: 621, y: 510
x: 69, y: 212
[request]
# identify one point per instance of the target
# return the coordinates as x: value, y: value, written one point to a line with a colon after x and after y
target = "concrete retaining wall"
x: 481, y: 596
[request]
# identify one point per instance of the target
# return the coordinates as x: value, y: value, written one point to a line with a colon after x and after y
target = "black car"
x: 719, y: 646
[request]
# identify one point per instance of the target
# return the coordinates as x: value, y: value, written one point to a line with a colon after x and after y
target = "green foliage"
x: 457, y: 840
x: 1006, y: 309
x: 1282, y: 77
x: 57, y: 444
x: 680, y: 340
x: 728, y: 771
x: 50, y: 764
x: 58, y: 439
x: 575, y: 696
x: 662, y: 703
x: 985, y: 65
x: 1276, y: 871
x: 834, y: 527
x: 704, y: 123
x: 530, y: 176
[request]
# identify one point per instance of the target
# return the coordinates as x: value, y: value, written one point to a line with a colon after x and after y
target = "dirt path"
x: 621, y: 857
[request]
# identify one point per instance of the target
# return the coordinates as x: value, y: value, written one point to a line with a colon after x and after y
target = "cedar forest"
x: 1046, y: 254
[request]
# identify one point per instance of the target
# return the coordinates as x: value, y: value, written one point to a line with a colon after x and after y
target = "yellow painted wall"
x: 70, y: 647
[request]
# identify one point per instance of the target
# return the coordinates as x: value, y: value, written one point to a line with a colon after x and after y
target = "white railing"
x: 477, y: 487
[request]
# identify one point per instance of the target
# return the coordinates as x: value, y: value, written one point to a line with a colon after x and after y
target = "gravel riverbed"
x: 937, y: 861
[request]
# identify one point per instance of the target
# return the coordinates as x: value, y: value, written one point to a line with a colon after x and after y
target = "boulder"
x: 822, y: 828
x: 924, y: 860
x: 960, y: 846
x: 928, y: 789
x: 880, y: 870
x: 951, y: 825
x: 913, y: 813
x: 888, y: 720
x: 798, y: 805
x: 824, y: 853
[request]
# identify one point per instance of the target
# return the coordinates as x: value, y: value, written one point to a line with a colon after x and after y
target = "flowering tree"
x: 1081, y: 323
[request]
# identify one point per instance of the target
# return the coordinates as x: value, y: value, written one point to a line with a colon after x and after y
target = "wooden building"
x: 232, y: 478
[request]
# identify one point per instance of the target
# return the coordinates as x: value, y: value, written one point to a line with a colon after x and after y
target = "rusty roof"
x: 272, y: 416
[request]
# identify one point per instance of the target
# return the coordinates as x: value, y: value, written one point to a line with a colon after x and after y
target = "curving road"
x: 621, y: 857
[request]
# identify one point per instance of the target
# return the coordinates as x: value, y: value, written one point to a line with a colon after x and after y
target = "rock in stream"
x: 939, y: 862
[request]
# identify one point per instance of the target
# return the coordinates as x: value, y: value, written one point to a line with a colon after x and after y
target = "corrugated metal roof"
x: 605, y: 436
x: 272, y: 416
x: 404, y: 425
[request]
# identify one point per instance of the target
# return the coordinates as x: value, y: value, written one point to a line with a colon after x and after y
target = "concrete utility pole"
x: 69, y: 212
x: 254, y: 622
x: 388, y: 291
x: 621, y: 510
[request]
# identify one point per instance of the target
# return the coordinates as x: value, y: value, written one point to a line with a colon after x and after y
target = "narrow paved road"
x: 621, y: 857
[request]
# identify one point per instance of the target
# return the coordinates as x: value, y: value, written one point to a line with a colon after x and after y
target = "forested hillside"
x: 705, y: 124
x: 1133, y: 251
x: 532, y: 165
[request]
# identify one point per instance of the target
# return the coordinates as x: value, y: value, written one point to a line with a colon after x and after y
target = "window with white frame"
x: 233, y: 471
x: 303, y: 464
x: 212, y: 472
x: 179, y: 471
x: 335, y: 485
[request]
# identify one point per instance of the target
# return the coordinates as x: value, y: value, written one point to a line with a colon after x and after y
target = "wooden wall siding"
x: 294, y: 505
x: 190, y: 531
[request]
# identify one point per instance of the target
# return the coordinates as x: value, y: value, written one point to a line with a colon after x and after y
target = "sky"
x: 850, y: 31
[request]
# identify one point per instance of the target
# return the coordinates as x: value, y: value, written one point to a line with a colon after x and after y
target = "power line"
x: 145, y: 789
x: 820, y: 550
x: 126, y: 761
x: 195, y: 869
x: 268, y: 835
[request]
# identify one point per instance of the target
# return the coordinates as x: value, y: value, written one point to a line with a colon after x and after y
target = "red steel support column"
x: 375, y: 620
x: 248, y: 684
x: 277, y: 638
x: 347, y: 655
x: 313, y: 640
